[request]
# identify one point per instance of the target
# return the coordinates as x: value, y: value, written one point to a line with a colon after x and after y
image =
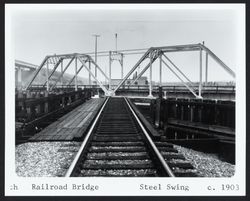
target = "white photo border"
x: 124, y: 186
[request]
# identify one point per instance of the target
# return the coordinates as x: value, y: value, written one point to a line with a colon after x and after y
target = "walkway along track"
x: 117, y: 144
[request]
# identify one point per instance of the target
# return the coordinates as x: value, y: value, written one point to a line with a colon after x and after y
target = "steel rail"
x: 85, y: 141
x: 163, y: 163
x: 167, y: 169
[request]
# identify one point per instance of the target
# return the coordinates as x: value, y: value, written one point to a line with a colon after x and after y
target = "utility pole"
x: 116, y: 42
x: 96, y: 36
x: 110, y: 62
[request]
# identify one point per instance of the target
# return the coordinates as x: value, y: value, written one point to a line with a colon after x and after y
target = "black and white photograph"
x: 146, y: 99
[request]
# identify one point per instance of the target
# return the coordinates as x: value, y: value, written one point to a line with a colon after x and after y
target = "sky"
x: 42, y: 30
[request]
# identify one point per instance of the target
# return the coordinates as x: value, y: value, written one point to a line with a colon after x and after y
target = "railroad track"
x: 117, y: 144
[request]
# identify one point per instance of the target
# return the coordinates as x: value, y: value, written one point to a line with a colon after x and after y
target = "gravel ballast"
x: 207, y: 165
x: 45, y: 159
x: 52, y: 159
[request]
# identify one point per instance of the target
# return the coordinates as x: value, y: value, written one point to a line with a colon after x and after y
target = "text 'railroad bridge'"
x: 133, y: 118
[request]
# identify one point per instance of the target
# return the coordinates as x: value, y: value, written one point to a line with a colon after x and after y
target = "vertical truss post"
x: 160, y: 71
x: 19, y: 77
x: 150, y: 75
x: 200, y: 82
x: 95, y: 35
x: 62, y: 72
x: 95, y: 56
x: 47, y: 75
x: 76, y: 74
x: 206, y: 72
x: 110, y: 70
x: 121, y: 66
x: 89, y: 73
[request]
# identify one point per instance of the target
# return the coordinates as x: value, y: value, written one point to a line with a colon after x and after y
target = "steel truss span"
x: 149, y: 56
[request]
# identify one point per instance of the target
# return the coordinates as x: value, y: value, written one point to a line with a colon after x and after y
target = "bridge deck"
x: 72, y: 125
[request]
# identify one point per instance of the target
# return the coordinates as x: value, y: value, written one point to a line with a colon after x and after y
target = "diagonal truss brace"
x: 172, y: 63
x: 190, y: 89
x: 54, y: 69
x: 100, y: 84
x: 145, y: 68
x: 154, y: 58
x: 133, y: 69
x: 221, y: 63
x: 78, y: 71
x: 98, y: 67
x: 62, y: 73
x: 36, y: 72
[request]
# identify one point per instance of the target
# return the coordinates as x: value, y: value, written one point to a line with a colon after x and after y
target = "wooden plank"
x: 71, y: 125
x: 71, y: 120
x: 79, y: 120
x: 84, y: 120
x: 76, y: 132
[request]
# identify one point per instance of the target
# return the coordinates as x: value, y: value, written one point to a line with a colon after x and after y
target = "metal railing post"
x: 89, y: 73
x: 47, y: 74
x: 206, y: 71
x: 160, y: 70
x: 150, y: 75
x: 76, y: 74
x: 62, y: 73
x: 200, y: 82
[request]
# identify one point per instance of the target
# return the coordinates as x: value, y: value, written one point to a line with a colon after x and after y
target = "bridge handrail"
x: 144, y: 87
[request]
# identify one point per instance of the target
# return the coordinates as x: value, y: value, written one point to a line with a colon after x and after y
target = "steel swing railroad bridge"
x: 130, y: 130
